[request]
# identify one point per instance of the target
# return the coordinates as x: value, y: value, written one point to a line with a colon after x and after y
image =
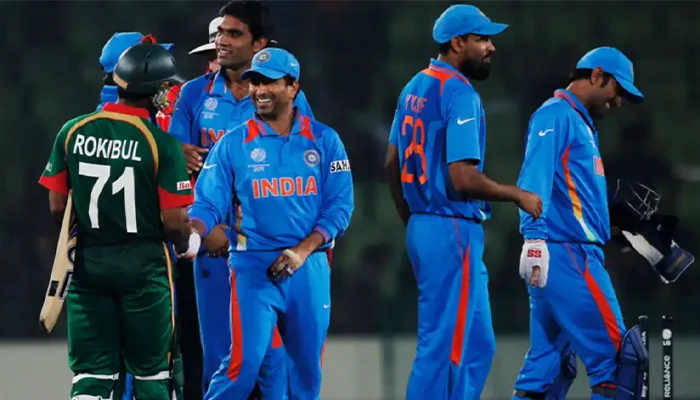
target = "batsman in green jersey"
x: 130, y: 190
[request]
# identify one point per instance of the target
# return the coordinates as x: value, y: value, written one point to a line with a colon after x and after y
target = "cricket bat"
x: 62, y: 270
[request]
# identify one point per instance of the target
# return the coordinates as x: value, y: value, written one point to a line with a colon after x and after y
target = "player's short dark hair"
x: 252, y: 13
x: 585, y: 73
x: 444, y: 48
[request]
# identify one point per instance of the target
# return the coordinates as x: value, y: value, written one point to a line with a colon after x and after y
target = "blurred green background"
x: 355, y: 58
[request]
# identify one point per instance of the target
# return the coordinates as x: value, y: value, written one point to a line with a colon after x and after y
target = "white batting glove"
x: 534, y: 263
x: 195, y: 244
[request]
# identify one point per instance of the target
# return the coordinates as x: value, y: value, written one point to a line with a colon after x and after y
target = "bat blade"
x: 62, y: 270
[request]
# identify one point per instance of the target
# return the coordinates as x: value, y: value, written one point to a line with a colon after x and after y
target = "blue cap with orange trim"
x: 119, y: 43
x: 612, y: 61
x: 274, y: 63
x: 462, y: 19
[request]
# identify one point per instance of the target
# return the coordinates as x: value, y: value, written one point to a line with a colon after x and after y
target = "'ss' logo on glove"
x: 534, y: 263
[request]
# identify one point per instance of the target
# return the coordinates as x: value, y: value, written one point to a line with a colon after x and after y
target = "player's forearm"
x: 311, y: 242
x: 177, y: 228
x: 57, y: 205
x: 393, y: 176
x: 477, y: 185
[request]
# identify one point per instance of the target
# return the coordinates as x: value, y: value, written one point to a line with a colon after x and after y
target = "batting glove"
x: 534, y: 263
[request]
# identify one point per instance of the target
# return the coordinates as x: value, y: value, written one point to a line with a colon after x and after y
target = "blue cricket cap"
x: 612, y: 61
x: 119, y: 43
x: 273, y: 63
x: 461, y: 19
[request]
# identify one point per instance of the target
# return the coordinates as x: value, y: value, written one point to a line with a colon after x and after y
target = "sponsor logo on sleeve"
x: 340, y: 166
x: 184, y: 185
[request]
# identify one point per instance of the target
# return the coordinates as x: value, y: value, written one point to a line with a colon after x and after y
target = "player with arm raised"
x: 573, y: 306
x: 292, y: 189
x: 129, y: 188
x: 435, y: 168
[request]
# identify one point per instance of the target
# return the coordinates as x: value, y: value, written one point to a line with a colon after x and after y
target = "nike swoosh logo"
x: 542, y: 133
x: 326, y: 306
x: 464, y: 121
x: 209, y: 166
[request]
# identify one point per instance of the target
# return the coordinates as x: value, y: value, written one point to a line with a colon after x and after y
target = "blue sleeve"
x: 547, y: 138
x: 181, y: 122
x: 212, y: 190
x: 338, y: 200
x: 463, y: 113
x: 303, y: 105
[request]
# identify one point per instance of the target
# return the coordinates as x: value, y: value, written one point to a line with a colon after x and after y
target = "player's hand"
x: 287, y: 263
x: 530, y: 203
x: 216, y: 243
x: 534, y: 263
x: 193, y: 157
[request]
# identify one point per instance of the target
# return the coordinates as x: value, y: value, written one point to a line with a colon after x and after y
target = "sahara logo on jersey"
x: 285, y: 187
x: 340, y: 166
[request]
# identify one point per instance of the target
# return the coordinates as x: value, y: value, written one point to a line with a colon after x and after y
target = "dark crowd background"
x: 355, y: 58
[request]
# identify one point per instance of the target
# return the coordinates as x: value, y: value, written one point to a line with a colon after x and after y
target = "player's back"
x: 420, y: 131
x: 113, y: 162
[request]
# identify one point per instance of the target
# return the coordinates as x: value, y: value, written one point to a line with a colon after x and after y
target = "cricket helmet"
x: 632, y: 204
x: 147, y: 69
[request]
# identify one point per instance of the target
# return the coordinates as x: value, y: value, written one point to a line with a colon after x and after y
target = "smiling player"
x: 293, y: 194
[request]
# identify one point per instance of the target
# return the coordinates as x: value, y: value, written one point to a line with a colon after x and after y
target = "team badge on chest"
x: 210, y: 104
x: 258, y: 155
x: 311, y: 158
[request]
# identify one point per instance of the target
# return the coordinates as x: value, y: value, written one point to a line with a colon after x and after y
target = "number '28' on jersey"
x: 439, y: 120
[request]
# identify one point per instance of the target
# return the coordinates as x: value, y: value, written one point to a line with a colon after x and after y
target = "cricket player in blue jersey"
x: 289, y: 180
x: 573, y: 307
x: 115, y: 46
x: 434, y: 166
x: 208, y: 107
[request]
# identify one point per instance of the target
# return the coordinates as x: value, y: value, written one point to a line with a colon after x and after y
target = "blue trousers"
x: 213, y: 287
x: 456, y: 342
x: 577, y: 308
x: 300, y: 305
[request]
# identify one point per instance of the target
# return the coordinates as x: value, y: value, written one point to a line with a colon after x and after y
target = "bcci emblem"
x: 311, y: 158
x: 258, y: 155
x: 263, y: 56
x: 211, y: 103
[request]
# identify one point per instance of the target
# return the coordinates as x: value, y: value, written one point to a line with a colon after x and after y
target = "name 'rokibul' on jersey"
x: 123, y: 171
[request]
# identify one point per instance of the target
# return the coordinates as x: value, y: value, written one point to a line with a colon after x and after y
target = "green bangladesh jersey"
x: 123, y: 170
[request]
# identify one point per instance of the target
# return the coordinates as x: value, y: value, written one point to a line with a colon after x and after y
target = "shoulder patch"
x: 340, y: 166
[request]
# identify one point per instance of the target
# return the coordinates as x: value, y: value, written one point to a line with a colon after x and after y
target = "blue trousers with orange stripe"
x: 299, y: 305
x: 577, y: 308
x: 456, y: 342
x: 213, y: 290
